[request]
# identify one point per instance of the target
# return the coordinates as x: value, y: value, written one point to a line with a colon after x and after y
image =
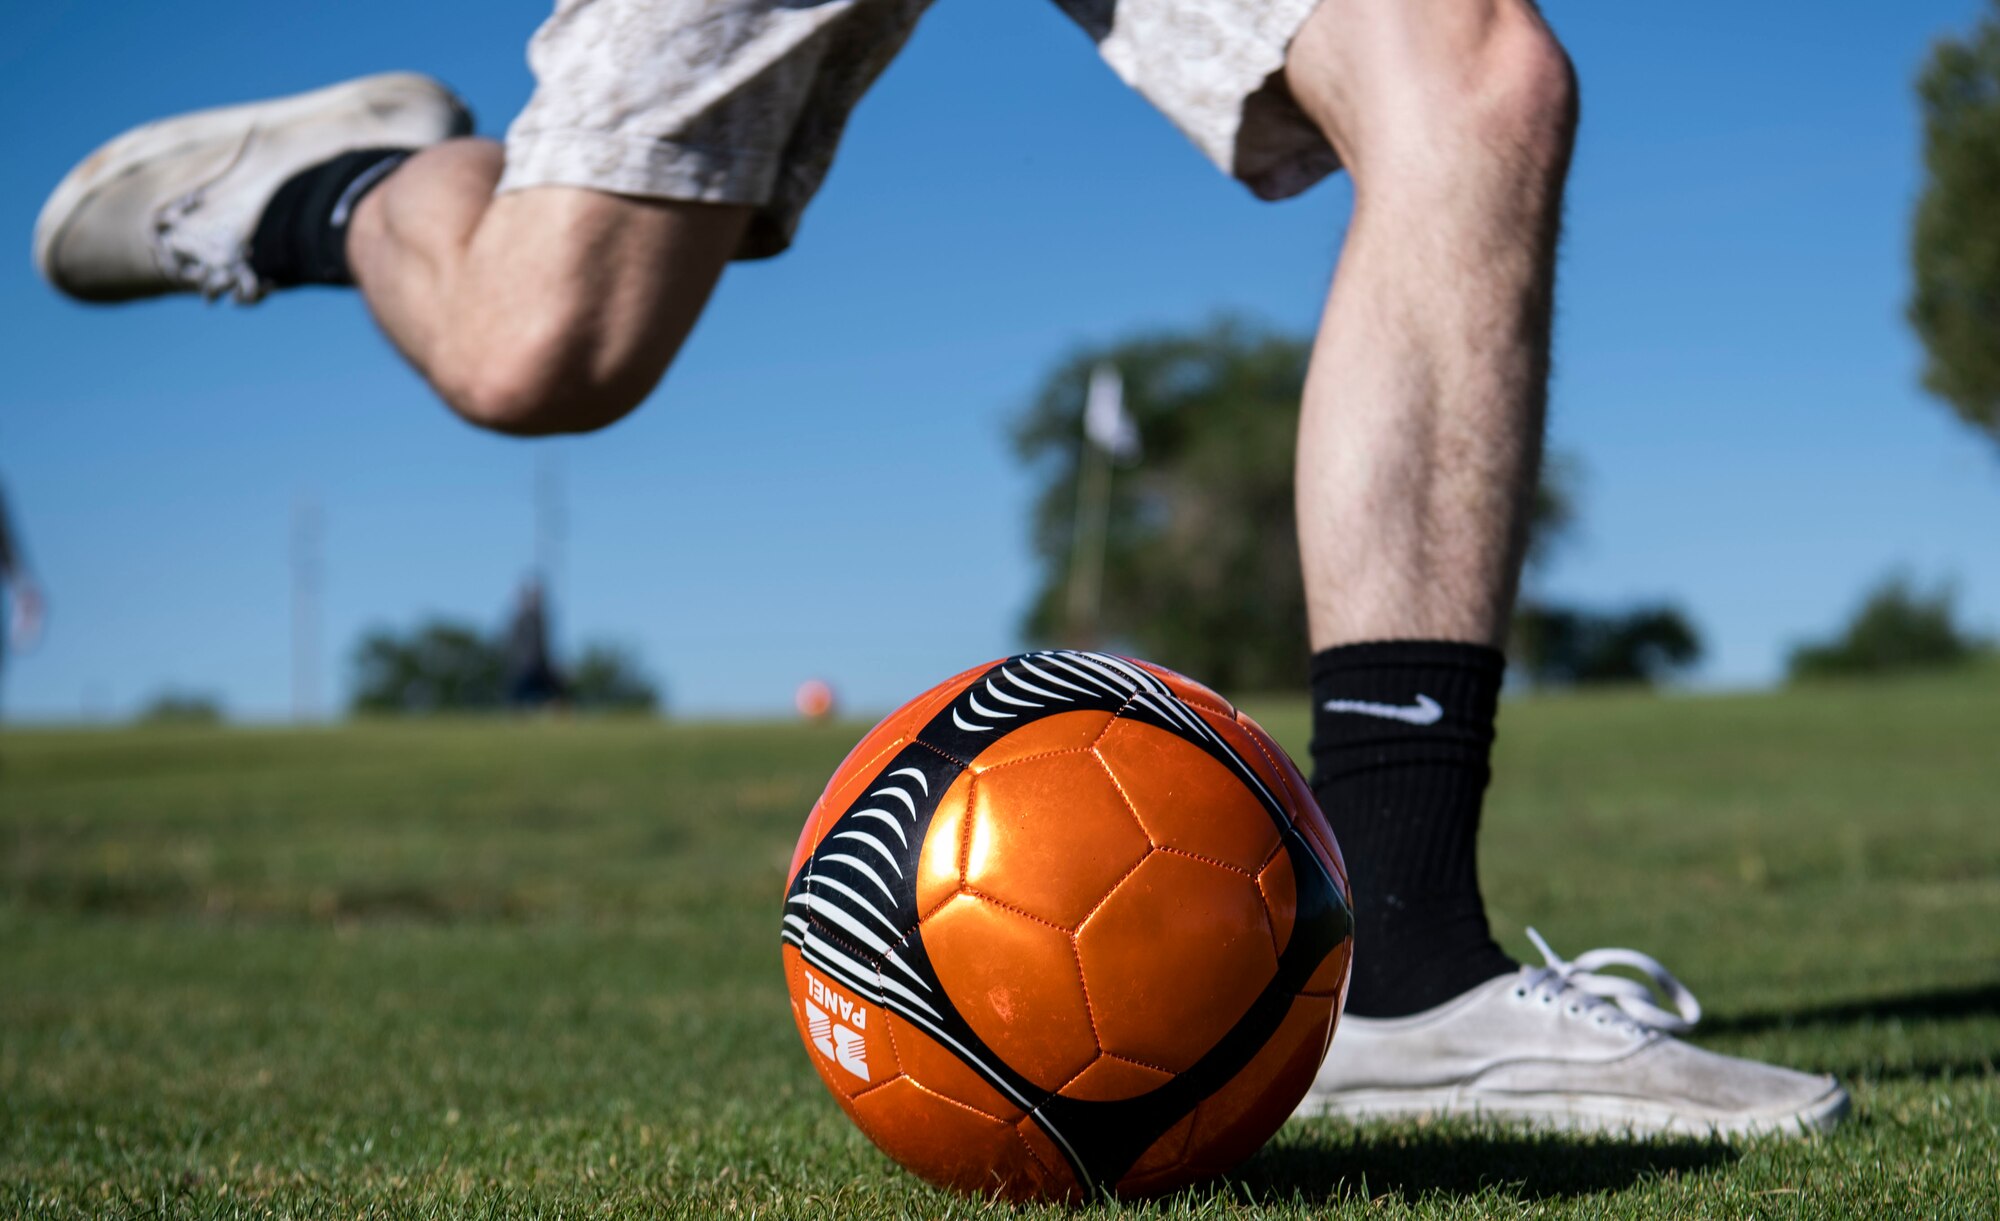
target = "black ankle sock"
x: 1401, y: 734
x: 302, y: 236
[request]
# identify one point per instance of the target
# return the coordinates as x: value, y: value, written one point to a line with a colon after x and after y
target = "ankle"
x: 1402, y: 731
x: 302, y: 236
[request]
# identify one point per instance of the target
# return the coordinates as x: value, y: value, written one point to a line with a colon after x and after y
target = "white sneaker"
x: 1560, y: 1046
x: 171, y: 206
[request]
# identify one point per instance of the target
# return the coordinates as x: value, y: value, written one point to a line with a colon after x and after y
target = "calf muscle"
x: 552, y: 309
x: 1420, y: 434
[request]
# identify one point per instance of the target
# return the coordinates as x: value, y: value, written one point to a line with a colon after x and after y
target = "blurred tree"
x: 1552, y: 511
x: 439, y: 667
x: 442, y: 666
x: 1563, y: 645
x: 1558, y: 644
x: 1897, y: 627
x: 608, y: 678
x: 181, y: 708
x: 1201, y: 567
x: 1955, y: 248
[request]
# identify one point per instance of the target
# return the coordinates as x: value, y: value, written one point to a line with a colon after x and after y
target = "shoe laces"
x: 1581, y: 985
x: 208, y: 258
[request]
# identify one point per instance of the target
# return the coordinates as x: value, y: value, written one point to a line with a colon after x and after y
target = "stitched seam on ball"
x: 864, y: 953
x: 940, y: 753
x: 889, y: 1030
x: 963, y: 1106
x: 965, y: 829
x: 1071, y: 1079
x: 1046, y: 754
x: 1284, y: 786
x: 1167, y: 682
x: 1131, y: 807
x: 1238, y: 870
x: 1112, y: 720
x: 1308, y: 831
x: 840, y: 937
x: 1022, y: 912
x: 1158, y: 1068
x: 872, y: 1086
x: 1029, y: 1148
x: 1203, y: 704
x: 1108, y: 1055
x: 1112, y: 889
x: 1271, y: 924
x: 1089, y: 1010
x: 939, y: 906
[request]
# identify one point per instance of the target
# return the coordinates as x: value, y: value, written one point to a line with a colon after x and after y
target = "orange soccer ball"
x: 814, y: 699
x: 1067, y: 923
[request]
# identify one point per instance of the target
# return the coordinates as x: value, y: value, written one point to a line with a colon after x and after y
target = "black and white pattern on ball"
x: 852, y: 910
x: 860, y: 885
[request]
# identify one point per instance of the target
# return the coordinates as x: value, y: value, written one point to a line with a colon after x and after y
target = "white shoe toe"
x: 1562, y: 1046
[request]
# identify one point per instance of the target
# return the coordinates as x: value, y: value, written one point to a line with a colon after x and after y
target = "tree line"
x: 1200, y: 567
x: 1200, y: 552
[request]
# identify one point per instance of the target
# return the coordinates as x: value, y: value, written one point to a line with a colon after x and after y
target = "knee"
x: 549, y: 379
x: 1461, y: 87
x: 1523, y: 95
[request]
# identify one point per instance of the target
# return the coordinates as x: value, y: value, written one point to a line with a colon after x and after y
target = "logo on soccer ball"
x: 838, y: 1041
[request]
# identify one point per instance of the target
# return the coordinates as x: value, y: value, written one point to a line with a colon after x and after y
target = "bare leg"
x: 553, y: 309
x: 1421, y: 431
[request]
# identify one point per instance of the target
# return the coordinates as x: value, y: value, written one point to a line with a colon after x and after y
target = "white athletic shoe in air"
x: 1561, y: 1046
x: 171, y: 206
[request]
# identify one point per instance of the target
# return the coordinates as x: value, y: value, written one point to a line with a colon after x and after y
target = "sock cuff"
x: 1402, y: 732
x: 1392, y: 702
x: 1408, y: 654
x: 301, y: 237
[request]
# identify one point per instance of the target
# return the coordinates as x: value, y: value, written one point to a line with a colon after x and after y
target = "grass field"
x: 531, y: 969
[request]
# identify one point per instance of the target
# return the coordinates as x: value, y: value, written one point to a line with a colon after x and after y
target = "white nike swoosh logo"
x: 362, y: 181
x: 1426, y: 711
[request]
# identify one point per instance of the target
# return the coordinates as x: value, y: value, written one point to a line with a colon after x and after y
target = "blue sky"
x: 824, y: 486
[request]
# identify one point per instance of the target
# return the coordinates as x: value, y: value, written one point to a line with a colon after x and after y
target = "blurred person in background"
x: 21, y: 598
x: 544, y: 284
x: 532, y: 678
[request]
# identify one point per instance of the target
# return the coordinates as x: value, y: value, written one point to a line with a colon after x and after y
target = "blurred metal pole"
x: 1086, y: 571
x: 307, y: 528
x: 551, y: 517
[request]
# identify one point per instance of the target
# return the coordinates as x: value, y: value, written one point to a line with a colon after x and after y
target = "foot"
x: 1561, y: 1046
x: 170, y: 206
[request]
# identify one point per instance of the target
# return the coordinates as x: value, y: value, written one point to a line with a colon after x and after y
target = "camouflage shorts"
x: 743, y: 101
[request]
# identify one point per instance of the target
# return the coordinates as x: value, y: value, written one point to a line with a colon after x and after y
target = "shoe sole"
x: 197, y: 130
x: 1576, y: 1113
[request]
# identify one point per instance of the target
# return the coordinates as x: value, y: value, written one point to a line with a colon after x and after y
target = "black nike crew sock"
x: 302, y: 236
x: 1402, y: 731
